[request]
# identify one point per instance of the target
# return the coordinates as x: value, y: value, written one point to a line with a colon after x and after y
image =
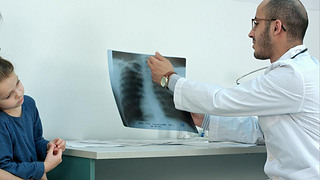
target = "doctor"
x: 285, y: 98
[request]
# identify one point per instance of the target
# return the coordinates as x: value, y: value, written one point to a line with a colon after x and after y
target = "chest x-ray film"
x: 141, y: 102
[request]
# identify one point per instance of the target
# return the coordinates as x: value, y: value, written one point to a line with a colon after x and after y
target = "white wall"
x: 59, y: 51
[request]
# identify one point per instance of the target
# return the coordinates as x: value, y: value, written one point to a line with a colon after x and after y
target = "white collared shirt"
x: 286, y: 101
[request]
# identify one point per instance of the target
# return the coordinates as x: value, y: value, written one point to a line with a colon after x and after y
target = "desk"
x: 162, y: 162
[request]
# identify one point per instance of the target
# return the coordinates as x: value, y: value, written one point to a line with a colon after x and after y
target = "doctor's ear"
x: 278, y: 27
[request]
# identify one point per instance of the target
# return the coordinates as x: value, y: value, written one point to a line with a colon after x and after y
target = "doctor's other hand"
x: 197, y: 118
x: 52, y: 160
x: 159, y: 66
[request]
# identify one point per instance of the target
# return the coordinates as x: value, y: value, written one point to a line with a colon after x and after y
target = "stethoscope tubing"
x: 237, y: 80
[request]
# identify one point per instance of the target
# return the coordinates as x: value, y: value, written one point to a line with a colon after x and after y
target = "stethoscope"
x: 302, y: 51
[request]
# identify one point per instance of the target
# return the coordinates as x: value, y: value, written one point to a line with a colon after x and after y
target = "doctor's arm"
x: 238, y: 129
x: 235, y: 129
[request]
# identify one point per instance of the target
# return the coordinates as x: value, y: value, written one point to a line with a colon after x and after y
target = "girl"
x: 23, y: 150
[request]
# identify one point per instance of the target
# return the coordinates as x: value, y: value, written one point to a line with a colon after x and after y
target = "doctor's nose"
x: 251, y: 34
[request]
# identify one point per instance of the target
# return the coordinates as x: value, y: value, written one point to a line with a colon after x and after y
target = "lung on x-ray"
x: 141, y: 102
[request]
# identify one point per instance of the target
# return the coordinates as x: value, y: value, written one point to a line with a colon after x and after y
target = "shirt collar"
x: 288, y: 55
x: 293, y: 51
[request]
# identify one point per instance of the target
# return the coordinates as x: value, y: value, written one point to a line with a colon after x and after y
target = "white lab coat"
x: 286, y: 101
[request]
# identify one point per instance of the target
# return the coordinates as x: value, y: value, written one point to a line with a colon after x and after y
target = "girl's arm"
x: 8, y: 176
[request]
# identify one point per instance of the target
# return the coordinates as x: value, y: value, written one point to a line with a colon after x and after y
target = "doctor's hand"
x: 197, y: 118
x: 159, y: 66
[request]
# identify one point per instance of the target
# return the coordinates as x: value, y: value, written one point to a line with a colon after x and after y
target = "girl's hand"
x: 52, y: 159
x: 58, y: 144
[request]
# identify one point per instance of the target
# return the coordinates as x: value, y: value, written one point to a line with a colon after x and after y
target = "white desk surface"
x: 176, y: 149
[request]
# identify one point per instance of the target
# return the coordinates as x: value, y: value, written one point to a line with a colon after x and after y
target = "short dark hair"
x: 6, y: 69
x: 293, y: 15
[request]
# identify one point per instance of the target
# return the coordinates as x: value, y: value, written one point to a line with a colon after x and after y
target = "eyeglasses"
x: 255, y: 23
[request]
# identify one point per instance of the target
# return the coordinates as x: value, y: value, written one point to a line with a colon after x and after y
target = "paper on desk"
x: 91, y: 143
x: 223, y: 144
x: 131, y: 142
x: 199, y: 142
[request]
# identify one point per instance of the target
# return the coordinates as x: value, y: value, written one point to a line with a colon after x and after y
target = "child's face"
x: 11, y: 93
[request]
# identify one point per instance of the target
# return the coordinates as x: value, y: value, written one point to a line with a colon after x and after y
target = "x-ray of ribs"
x: 131, y: 90
x: 165, y: 97
x: 141, y: 99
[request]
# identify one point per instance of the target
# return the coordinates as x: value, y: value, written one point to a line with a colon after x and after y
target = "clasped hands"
x: 54, y: 153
